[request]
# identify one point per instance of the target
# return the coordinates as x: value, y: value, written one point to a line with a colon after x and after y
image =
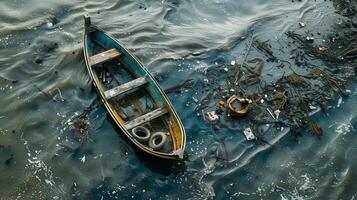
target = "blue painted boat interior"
x: 127, y: 59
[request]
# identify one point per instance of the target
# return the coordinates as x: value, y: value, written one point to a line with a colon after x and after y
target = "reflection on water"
x: 44, y: 84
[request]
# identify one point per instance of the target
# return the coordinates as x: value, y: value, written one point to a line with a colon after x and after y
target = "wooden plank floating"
x: 124, y: 87
x: 146, y: 118
x: 104, y: 56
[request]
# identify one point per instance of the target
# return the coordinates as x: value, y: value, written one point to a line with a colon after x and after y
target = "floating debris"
x: 277, y: 113
x: 315, y: 129
x: 83, y: 159
x: 58, y: 96
x: 324, y: 49
x: 339, y: 102
x: 310, y: 39
x: 271, y: 113
x: 249, y: 134
x: 197, y: 53
x: 280, y: 99
x: 212, y: 116
x: 81, y: 125
x: 221, y: 103
x: 49, y: 24
x: 312, y: 107
x: 302, y: 24
x: 295, y: 79
x: 304, y: 88
x: 266, y: 48
x: 238, y: 106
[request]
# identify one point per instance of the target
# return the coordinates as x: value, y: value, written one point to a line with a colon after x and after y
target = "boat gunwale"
x: 176, y: 153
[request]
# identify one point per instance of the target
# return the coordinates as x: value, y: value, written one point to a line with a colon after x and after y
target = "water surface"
x: 44, y: 84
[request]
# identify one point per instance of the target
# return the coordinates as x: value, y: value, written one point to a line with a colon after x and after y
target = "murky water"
x: 44, y: 84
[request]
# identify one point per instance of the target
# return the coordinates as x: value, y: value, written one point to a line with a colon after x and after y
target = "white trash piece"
x: 302, y: 24
x: 249, y: 134
x: 271, y: 114
x: 212, y: 116
x: 83, y: 159
x: 312, y: 107
x: 339, y: 102
x: 277, y: 113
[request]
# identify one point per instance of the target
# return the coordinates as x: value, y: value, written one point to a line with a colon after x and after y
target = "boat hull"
x: 179, y: 137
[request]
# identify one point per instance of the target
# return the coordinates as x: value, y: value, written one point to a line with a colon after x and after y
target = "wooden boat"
x: 132, y: 96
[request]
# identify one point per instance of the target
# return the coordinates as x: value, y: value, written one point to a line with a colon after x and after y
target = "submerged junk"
x: 132, y: 96
x: 238, y: 106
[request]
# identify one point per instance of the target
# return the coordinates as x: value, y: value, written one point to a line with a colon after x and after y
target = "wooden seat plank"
x: 104, y: 56
x: 146, y: 118
x: 124, y: 87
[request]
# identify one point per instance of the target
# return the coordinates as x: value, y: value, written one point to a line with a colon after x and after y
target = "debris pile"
x: 238, y: 89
